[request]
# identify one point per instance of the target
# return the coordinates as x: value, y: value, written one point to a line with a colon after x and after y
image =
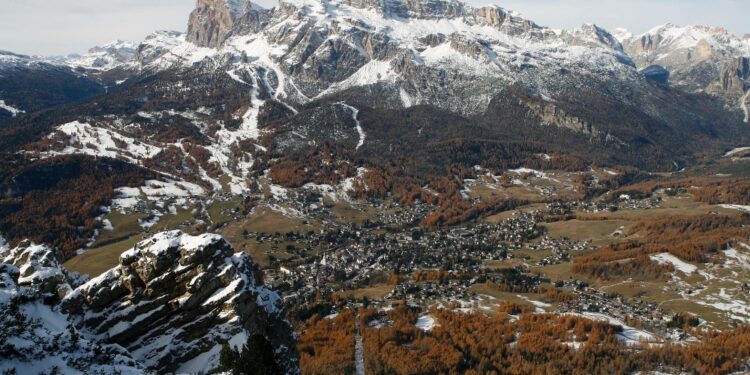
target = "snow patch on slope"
x: 735, y: 257
x: 736, y: 151
x: 445, y: 55
x: 734, y: 305
x: 4, y: 246
x: 676, y: 262
x: 629, y: 335
x: 360, y: 131
x: 735, y: 207
x: 426, y: 323
x: 162, y: 242
x: 371, y: 73
x: 13, y: 111
x: 96, y: 141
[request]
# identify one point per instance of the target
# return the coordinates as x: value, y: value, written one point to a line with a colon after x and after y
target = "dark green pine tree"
x: 256, y: 358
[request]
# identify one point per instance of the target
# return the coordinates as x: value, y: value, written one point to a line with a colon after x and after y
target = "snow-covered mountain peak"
x: 156, y: 45
x: 391, y: 8
x: 10, y: 57
x: 372, y: 40
x: 592, y: 35
x: 622, y: 34
x: 675, y: 46
x: 409, y: 10
x: 162, y: 39
x: 698, y: 58
x: 683, y: 37
x: 682, y: 48
x: 114, y: 46
x: 404, y: 22
x: 104, y: 57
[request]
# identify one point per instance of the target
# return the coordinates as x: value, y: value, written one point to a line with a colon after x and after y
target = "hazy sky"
x: 57, y: 27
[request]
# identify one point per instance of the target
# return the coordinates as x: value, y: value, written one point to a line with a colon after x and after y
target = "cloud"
x: 55, y: 27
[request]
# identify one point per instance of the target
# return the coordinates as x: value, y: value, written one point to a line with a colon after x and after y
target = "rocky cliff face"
x: 735, y: 77
x: 168, y: 307
x: 212, y: 21
x: 176, y: 298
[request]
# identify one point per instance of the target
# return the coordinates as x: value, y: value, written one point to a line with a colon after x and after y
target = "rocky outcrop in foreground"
x: 35, y: 337
x: 169, y: 305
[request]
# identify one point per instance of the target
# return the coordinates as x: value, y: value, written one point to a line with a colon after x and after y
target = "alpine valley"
x: 382, y: 187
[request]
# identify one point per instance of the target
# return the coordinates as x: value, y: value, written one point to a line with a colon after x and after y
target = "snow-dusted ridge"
x: 38, y: 336
x: 683, y: 37
x: 105, y: 57
x: 479, y: 41
x: 168, y: 307
x: 698, y: 58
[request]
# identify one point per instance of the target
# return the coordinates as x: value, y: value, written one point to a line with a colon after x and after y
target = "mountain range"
x: 303, y: 58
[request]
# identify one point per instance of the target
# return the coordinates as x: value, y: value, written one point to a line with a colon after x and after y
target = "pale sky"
x: 59, y: 27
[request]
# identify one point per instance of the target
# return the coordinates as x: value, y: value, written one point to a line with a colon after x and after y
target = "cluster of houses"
x: 649, y: 315
x: 351, y: 257
x: 431, y: 266
x: 622, y: 202
x: 560, y: 248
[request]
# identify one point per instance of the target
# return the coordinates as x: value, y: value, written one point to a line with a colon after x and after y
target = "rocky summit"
x: 213, y: 21
x: 169, y: 306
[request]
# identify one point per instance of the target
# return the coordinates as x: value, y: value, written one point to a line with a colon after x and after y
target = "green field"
x: 377, y: 292
x: 597, y: 231
x: 124, y: 226
x: 96, y: 261
x: 218, y: 209
x: 264, y: 220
